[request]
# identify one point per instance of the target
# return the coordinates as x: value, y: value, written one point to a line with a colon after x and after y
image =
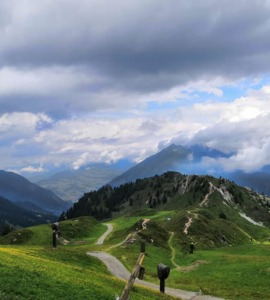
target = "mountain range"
x: 173, y: 158
x: 13, y: 215
x: 188, y: 160
x: 215, y: 207
x: 70, y: 185
x: 23, y: 203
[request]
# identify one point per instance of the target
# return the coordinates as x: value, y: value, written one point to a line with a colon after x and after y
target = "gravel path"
x: 104, y: 235
x: 117, y: 269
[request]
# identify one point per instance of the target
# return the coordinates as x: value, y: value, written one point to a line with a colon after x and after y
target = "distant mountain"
x: 188, y: 160
x: 16, y: 216
x: 70, y: 185
x: 22, y: 192
x: 173, y: 158
x: 204, y: 207
x: 258, y: 181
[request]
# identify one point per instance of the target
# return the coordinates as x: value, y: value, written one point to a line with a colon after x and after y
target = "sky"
x: 99, y: 81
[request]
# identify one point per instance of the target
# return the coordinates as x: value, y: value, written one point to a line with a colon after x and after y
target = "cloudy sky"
x: 97, y: 81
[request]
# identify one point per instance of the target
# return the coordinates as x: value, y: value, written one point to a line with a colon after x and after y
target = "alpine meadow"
x: 135, y: 150
x: 228, y: 224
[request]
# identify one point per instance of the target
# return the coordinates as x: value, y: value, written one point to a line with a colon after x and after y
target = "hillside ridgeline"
x: 210, y: 211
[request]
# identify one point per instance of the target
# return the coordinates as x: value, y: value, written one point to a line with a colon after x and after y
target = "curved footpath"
x: 117, y: 269
x: 104, y: 235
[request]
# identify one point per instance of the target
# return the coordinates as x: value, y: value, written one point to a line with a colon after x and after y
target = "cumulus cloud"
x: 249, y: 158
x: 19, y: 126
x: 105, y: 137
x: 84, y: 56
x: 86, y: 81
x: 239, y: 127
x: 31, y: 169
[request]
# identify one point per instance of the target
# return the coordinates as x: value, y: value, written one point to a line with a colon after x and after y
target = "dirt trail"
x: 117, y: 269
x: 205, y: 200
x: 172, y: 250
x: 187, y: 225
x: 105, y: 234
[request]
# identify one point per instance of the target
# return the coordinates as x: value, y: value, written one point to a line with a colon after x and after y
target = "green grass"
x: 84, y: 228
x: 65, y: 273
x: 233, y: 272
x: 241, y: 272
x: 33, y: 270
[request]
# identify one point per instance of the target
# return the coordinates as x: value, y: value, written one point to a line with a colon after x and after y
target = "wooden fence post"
x: 133, y: 275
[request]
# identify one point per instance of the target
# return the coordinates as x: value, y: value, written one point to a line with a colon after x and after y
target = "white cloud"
x: 31, y: 169
x: 80, y: 82
x: 21, y: 125
x: 241, y: 127
x: 249, y: 158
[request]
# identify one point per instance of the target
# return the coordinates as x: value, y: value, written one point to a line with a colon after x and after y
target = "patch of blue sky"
x: 258, y: 83
x: 241, y: 88
x: 43, y: 125
x: 201, y: 97
x: 230, y: 93
x: 192, y: 97
x: 154, y: 106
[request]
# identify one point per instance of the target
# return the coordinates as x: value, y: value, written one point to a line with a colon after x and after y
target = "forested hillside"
x: 216, y: 206
x: 13, y: 216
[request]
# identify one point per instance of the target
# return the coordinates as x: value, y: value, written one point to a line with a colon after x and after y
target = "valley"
x: 135, y: 150
x: 227, y: 224
x: 218, y: 271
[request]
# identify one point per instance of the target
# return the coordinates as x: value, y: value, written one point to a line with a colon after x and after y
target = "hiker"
x: 192, y: 247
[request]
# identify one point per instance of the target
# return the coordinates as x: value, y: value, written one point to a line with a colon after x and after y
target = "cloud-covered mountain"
x: 193, y: 160
x: 19, y: 190
x: 173, y: 158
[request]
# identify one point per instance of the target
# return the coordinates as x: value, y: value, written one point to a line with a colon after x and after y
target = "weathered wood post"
x: 134, y: 274
x: 141, y: 273
x: 55, y: 231
x: 142, y: 246
x: 163, y: 273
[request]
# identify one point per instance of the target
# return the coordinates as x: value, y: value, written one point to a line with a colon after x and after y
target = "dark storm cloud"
x: 85, y: 80
x: 137, y: 44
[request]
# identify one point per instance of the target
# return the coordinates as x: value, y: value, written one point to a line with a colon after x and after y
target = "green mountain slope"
x: 208, y: 210
x: 70, y: 230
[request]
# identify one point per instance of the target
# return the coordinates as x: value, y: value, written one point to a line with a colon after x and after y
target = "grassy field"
x: 40, y: 272
x: 239, y: 272
x: 65, y: 273
x: 31, y: 269
x: 84, y: 228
